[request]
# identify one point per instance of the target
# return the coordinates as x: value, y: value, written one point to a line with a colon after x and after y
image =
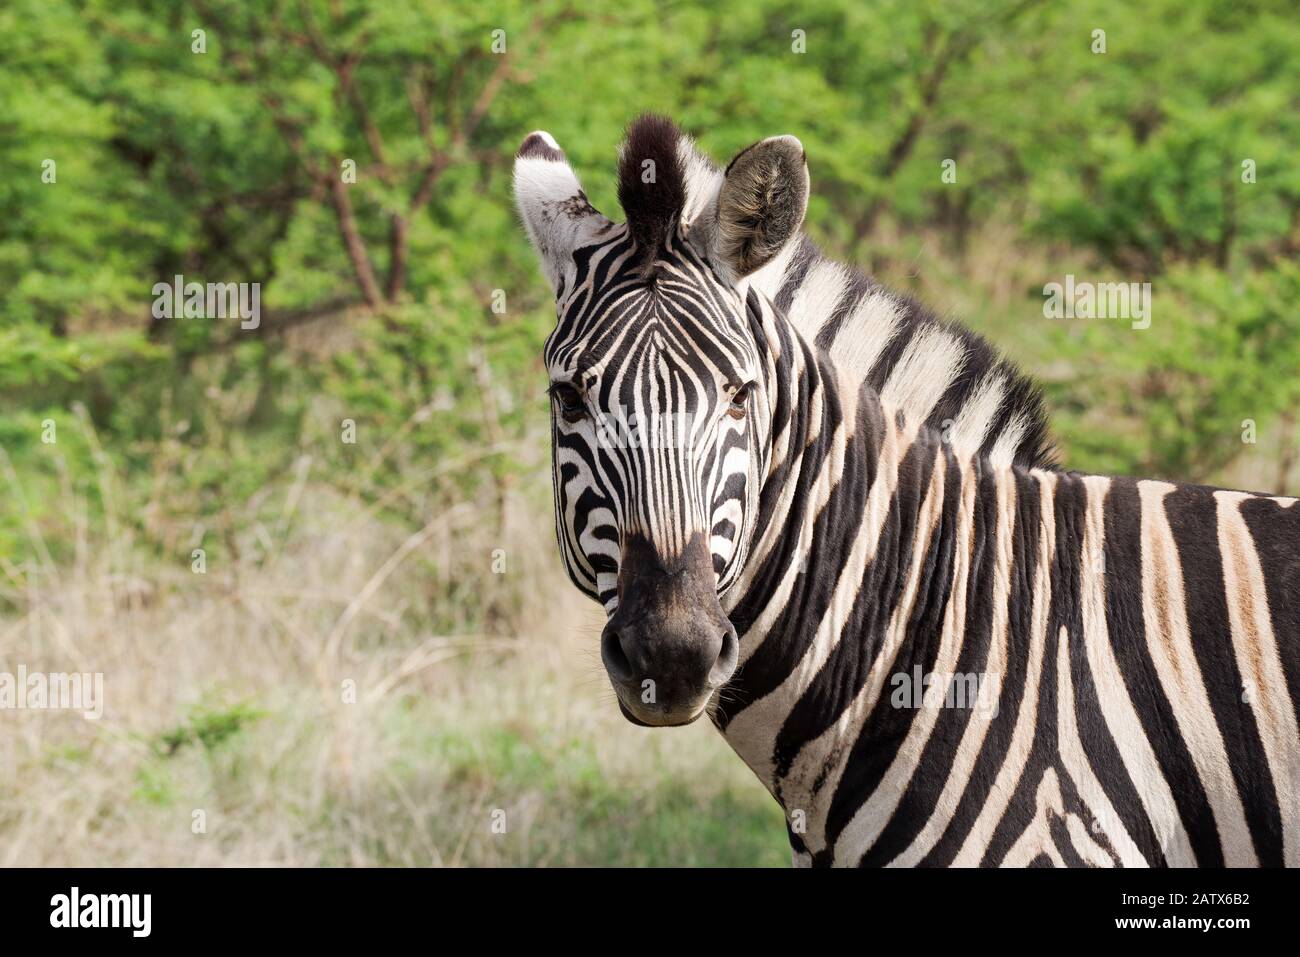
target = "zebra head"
x: 662, y: 398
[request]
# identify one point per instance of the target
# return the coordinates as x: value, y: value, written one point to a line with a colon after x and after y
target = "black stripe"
x: 801, y: 260
x: 1128, y: 639
x: 857, y: 289
x: 1193, y: 521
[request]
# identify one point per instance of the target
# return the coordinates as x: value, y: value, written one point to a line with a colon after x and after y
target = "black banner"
x: 336, y: 906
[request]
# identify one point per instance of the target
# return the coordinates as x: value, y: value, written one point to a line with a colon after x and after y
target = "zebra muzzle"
x: 669, y: 646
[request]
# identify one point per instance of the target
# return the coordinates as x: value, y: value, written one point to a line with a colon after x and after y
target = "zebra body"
x: 1140, y: 641
x: 841, y: 530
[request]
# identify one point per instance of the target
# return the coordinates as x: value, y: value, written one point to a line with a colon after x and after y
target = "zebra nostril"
x: 614, y: 657
x: 725, y: 666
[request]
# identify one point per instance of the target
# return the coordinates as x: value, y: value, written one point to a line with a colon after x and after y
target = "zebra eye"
x: 570, y: 400
x: 738, y: 401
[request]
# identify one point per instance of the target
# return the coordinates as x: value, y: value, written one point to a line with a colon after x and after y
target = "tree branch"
x: 439, y: 160
x: 352, y: 241
x: 957, y: 46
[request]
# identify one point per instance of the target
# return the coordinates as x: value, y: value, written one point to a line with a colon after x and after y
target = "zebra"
x: 786, y: 542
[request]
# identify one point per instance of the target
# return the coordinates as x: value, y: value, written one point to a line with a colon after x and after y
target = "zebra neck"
x: 846, y: 485
x: 864, y: 539
x: 936, y: 371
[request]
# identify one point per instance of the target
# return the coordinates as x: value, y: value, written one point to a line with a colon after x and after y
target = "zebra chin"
x: 647, y: 717
x: 668, y: 647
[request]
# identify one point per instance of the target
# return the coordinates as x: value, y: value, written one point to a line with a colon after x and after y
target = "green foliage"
x: 208, y: 727
x: 1221, y: 354
x: 213, y: 730
x: 222, y: 165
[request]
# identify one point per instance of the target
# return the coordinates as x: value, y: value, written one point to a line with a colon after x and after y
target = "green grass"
x: 592, y: 815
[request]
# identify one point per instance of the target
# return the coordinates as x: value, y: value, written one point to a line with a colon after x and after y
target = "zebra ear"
x: 761, y: 204
x: 552, y: 205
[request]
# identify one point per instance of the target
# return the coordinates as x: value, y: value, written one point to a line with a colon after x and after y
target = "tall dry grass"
x: 229, y: 700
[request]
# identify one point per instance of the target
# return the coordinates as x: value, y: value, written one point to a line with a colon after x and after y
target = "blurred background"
x: 314, y: 560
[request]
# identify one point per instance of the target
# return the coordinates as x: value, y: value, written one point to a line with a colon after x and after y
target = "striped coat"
x: 1137, y: 646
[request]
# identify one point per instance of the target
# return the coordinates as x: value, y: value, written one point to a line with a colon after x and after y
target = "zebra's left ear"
x: 761, y: 204
x: 553, y: 206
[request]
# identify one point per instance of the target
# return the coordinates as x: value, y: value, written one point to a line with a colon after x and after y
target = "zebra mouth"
x: 668, y: 721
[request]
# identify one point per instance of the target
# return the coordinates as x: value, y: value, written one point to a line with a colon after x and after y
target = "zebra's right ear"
x: 761, y: 204
x: 553, y: 206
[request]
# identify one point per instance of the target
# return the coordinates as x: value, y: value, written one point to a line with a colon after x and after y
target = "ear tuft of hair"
x: 651, y: 180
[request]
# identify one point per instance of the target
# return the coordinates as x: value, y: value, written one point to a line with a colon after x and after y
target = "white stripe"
x: 768, y: 280
x: 1003, y: 453
x: 1260, y: 664
x: 1169, y: 641
x: 866, y: 332
x: 929, y: 364
x: 977, y: 414
x: 822, y: 288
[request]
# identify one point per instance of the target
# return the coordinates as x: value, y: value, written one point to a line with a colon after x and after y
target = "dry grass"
x: 227, y: 694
